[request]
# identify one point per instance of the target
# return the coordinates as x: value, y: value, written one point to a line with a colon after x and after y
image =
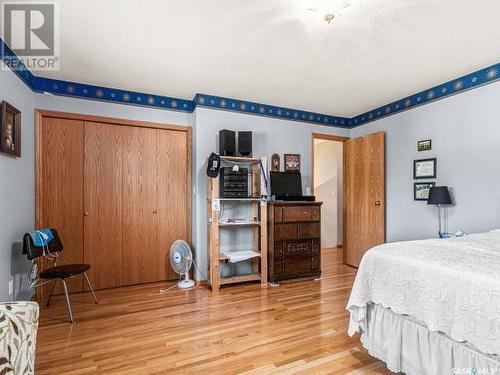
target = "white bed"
x: 431, y: 306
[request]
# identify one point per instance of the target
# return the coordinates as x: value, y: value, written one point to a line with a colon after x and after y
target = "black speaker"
x: 227, y: 143
x: 245, y: 144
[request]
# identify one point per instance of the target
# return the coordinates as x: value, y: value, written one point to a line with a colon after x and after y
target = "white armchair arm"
x: 18, y: 328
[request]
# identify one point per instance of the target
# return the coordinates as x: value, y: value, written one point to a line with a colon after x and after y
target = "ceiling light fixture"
x: 329, y: 8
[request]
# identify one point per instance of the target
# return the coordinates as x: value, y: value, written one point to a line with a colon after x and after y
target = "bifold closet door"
x: 139, y: 205
x: 172, y: 164
x: 103, y: 203
x: 60, y: 188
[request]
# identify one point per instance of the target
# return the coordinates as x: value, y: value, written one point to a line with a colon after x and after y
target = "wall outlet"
x: 11, y: 287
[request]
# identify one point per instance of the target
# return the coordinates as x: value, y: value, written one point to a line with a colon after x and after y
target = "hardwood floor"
x: 297, y: 328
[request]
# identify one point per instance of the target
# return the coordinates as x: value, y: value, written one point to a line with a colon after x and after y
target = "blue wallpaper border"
x: 101, y: 93
x: 228, y: 104
x: 467, y: 82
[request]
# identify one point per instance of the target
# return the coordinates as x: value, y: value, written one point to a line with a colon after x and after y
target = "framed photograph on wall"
x: 424, y: 168
x: 292, y: 163
x: 275, y: 163
x: 421, y: 190
x: 10, y: 130
x: 425, y: 145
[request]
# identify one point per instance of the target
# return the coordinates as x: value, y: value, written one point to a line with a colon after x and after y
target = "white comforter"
x: 451, y: 285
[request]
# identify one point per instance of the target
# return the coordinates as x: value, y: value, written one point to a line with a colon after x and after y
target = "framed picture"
x: 425, y: 145
x: 424, y: 168
x: 421, y: 190
x: 292, y: 163
x: 275, y: 163
x: 10, y: 130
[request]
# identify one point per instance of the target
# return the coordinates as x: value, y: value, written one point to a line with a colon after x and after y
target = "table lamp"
x: 438, y: 196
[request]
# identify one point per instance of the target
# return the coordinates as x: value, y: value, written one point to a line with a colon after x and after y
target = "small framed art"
x: 424, y: 168
x: 425, y: 145
x: 421, y: 190
x: 275, y: 163
x: 10, y: 130
x: 292, y: 163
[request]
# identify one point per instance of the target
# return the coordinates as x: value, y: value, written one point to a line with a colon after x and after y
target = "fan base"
x: 184, y: 284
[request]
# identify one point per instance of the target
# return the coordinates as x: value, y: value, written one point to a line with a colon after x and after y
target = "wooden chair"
x: 56, y: 273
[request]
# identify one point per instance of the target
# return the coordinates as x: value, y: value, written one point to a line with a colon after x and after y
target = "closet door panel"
x: 103, y: 204
x: 139, y: 206
x: 172, y: 163
x: 61, y: 185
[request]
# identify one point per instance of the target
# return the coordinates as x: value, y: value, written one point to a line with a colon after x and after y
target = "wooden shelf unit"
x: 258, y: 226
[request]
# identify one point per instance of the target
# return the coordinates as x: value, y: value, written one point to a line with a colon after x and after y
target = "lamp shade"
x: 439, y: 195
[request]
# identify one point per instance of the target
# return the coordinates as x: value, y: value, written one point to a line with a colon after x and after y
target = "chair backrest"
x: 32, y: 251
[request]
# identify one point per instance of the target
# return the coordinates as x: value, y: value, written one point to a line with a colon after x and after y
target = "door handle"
x: 377, y: 203
x: 85, y: 213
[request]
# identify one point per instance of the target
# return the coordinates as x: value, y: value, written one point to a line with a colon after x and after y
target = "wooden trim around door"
x: 328, y: 137
x: 338, y: 138
x: 109, y: 120
x: 40, y: 114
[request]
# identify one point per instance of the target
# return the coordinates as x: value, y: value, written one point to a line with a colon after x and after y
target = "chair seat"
x: 64, y: 271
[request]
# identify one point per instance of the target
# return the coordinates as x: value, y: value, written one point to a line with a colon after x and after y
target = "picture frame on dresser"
x: 292, y: 162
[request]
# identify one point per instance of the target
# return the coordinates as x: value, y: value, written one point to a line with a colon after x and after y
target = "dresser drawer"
x: 285, y: 232
x: 309, y: 230
x: 294, y: 248
x: 278, y: 214
x: 300, y: 213
x: 296, y: 267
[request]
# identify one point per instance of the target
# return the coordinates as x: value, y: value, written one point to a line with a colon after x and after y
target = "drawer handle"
x: 377, y: 203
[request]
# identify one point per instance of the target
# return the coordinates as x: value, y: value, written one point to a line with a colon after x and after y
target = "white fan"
x: 181, y: 259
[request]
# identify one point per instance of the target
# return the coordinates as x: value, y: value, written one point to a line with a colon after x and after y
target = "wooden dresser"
x: 294, y: 250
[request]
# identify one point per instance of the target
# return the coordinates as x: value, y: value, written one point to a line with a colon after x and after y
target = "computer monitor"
x: 286, y: 184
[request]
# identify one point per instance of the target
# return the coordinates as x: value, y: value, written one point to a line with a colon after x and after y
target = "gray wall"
x: 465, y: 133
x: 17, y: 188
x: 464, y: 130
x: 269, y: 136
x: 106, y: 109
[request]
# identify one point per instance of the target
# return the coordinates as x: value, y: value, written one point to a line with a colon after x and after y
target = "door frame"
x: 338, y: 138
x: 41, y: 114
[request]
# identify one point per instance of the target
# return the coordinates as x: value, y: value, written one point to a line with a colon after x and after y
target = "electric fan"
x: 181, y: 259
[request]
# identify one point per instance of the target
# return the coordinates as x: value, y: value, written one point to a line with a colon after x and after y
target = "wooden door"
x: 364, y: 195
x: 60, y: 188
x: 103, y: 204
x: 139, y: 206
x: 172, y: 166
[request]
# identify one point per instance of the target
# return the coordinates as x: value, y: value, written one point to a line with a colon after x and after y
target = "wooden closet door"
x: 364, y: 206
x: 172, y: 165
x: 103, y: 204
x: 61, y: 188
x: 139, y: 206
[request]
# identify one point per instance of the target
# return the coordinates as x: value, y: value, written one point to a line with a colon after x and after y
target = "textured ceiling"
x: 276, y: 51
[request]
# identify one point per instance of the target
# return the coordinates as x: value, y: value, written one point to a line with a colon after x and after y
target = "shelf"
x: 240, y: 159
x: 241, y: 199
x: 223, y: 256
x: 240, y: 279
x: 239, y: 224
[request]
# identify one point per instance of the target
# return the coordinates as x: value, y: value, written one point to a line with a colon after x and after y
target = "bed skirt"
x: 408, y: 346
